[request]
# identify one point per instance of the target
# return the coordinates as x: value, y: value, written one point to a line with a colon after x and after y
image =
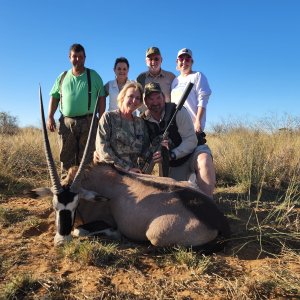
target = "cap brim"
x: 152, y: 91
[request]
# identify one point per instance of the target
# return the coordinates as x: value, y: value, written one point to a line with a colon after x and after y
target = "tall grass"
x: 22, y: 159
x: 248, y: 156
x: 255, y: 157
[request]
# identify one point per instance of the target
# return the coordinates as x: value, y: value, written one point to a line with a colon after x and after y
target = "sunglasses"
x: 186, y: 58
x: 154, y: 58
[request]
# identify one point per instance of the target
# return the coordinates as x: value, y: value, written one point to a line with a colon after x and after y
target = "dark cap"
x: 151, y: 88
x: 152, y: 50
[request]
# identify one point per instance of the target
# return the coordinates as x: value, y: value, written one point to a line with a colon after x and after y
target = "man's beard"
x: 155, y: 108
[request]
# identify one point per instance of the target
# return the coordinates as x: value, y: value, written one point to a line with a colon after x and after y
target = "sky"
x: 248, y: 49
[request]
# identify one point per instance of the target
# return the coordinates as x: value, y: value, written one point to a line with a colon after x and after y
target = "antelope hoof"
x: 60, y: 240
x: 80, y: 232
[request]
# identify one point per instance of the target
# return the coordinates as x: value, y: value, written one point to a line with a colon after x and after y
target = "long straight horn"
x: 56, y: 186
x: 90, y: 139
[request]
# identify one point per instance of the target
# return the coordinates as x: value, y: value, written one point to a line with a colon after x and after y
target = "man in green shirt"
x: 76, y: 97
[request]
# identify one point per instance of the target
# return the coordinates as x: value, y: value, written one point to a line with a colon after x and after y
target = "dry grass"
x: 22, y: 160
x: 252, y: 158
x: 258, y: 189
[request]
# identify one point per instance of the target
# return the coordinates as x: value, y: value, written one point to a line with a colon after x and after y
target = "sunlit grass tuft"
x: 19, y: 287
x: 10, y: 216
x: 90, y: 252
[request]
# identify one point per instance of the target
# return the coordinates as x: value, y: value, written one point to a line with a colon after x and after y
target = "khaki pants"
x: 73, y: 136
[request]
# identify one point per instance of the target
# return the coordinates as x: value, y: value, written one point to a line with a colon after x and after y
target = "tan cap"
x: 185, y: 51
x: 152, y: 50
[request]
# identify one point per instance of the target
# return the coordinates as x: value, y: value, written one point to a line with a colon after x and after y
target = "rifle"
x: 165, y: 134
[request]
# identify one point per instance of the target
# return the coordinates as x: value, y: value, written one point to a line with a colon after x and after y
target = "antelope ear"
x: 91, y: 196
x: 39, y: 193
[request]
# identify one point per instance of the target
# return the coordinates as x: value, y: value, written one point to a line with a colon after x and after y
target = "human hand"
x: 157, y: 158
x: 165, y: 143
x: 51, y: 124
x: 197, y: 126
x: 135, y: 170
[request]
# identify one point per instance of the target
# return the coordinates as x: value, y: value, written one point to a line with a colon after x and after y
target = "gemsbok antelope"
x: 143, y: 207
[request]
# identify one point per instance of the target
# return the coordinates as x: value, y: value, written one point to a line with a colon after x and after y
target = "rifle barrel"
x: 180, y: 103
x: 184, y: 96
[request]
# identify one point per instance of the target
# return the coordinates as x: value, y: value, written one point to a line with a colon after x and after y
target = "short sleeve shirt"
x: 74, y: 98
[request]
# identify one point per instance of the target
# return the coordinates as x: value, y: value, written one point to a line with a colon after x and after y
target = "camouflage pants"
x: 73, y: 136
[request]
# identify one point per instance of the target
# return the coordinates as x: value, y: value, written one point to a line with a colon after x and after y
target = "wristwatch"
x: 172, y: 155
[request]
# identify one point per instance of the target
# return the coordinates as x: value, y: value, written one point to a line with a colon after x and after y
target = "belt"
x: 80, y: 117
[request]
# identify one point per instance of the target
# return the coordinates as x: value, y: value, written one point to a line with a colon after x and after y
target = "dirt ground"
x: 241, y: 271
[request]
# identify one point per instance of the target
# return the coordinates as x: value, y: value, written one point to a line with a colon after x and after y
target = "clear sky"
x: 248, y: 49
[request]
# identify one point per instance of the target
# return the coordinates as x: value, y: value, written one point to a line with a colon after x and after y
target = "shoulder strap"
x: 60, y: 86
x: 88, y: 72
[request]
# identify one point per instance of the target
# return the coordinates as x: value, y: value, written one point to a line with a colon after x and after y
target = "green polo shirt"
x: 74, y: 100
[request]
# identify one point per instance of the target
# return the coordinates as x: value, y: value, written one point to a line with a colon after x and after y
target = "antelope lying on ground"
x: 144, y: 207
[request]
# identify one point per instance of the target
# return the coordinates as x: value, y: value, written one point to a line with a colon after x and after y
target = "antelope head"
x: 65, y: 198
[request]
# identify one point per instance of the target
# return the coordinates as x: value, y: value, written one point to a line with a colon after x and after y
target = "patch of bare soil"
x: 244, y: 270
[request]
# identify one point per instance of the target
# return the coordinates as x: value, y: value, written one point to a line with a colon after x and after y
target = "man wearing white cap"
x: 197, y: 100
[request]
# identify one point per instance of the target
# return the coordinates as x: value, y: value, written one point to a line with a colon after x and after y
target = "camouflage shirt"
x: 121, y: 141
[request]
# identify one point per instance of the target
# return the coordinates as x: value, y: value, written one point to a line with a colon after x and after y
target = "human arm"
x: 199, y: 116
x: 106, y: 89
x: 102, y: 105
x: 53, y: 104
x: 203, y: 92
x: 186, y: 130
x: 100, y: 90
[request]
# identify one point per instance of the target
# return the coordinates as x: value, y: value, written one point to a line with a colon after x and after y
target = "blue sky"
x: 249, y: 50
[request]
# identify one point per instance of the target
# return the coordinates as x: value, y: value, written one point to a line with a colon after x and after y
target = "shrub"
x: 8, y: 123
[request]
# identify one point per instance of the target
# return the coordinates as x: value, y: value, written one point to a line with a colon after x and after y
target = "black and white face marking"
x: 65, y: 205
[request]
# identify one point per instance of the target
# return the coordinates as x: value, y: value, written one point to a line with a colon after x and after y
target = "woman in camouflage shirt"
x: 122, y: 137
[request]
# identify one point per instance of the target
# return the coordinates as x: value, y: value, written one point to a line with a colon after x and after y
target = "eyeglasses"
x: 186, y: 58
x: 153, y: 58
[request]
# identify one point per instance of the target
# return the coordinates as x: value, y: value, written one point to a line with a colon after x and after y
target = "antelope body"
x: 161, y: 210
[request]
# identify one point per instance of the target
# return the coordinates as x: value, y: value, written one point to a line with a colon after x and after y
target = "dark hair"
x: 77, y: 48
x: 121, y: 60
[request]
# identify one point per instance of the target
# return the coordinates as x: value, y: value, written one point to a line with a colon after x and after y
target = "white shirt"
x: 198, y: 96
x: 113, y: 92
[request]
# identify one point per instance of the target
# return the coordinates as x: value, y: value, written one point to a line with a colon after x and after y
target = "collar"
x: 115, y: 83
x: 161, y: 74
x: 148, y: 116
x: 83, y: 72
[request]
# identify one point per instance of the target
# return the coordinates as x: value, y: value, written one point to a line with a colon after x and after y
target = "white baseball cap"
x: 185, y: 51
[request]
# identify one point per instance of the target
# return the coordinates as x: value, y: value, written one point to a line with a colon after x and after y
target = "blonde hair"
x: 131, y: 84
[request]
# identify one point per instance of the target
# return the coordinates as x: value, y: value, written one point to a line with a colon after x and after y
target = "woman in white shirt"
x: 113, y: 87
x: 197, y: 100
